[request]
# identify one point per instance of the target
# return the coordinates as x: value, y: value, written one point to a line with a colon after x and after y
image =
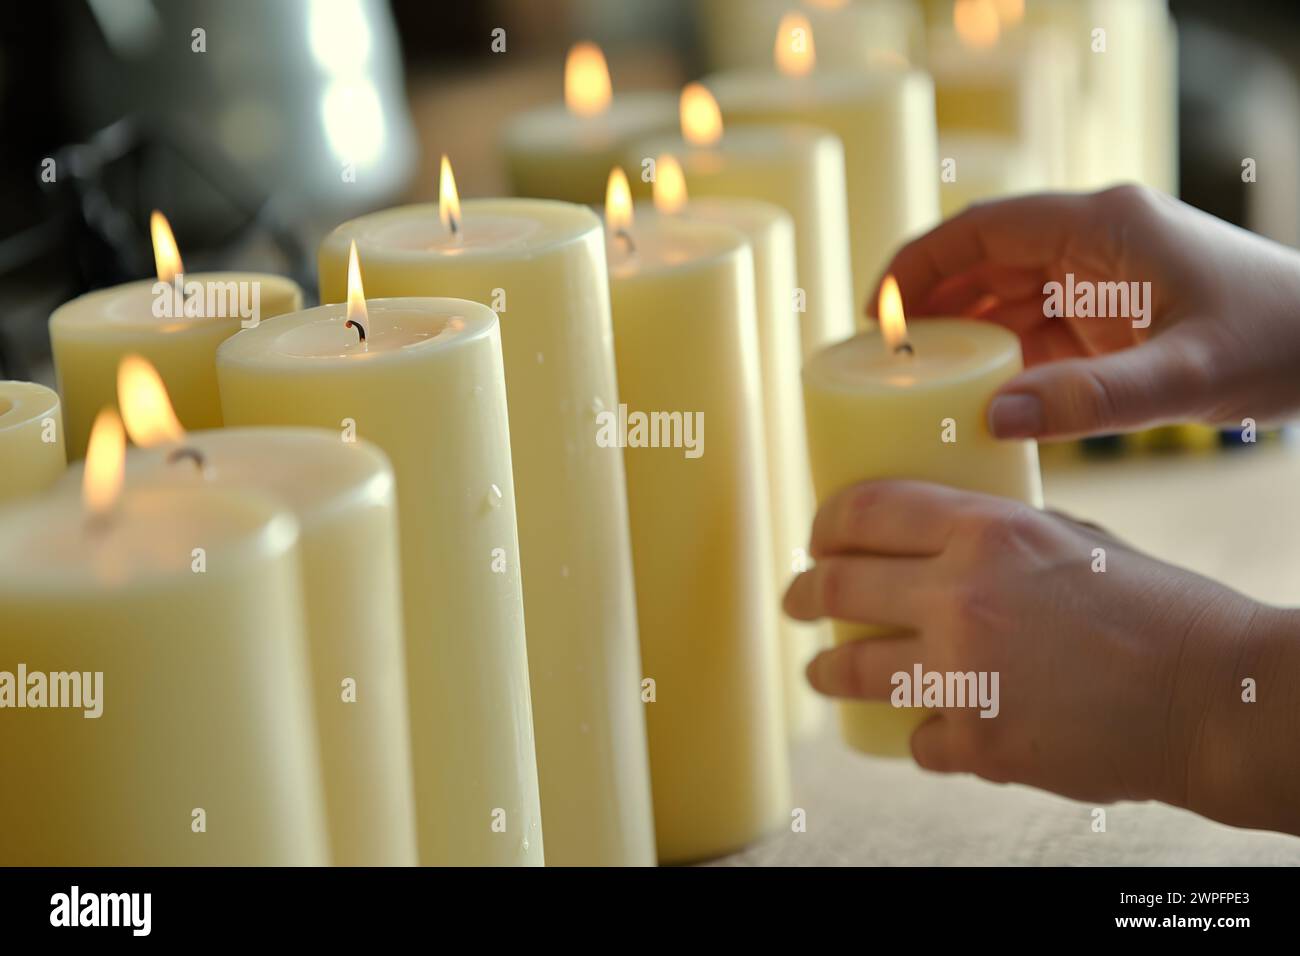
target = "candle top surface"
x: 311, y: 471
x: 489, y: 228
x: 666, y: 243
x: 24, y: 402
x: 760, y: 90
x: 49, y: 548
x: 750, y: 216
x: 131, y: 306
x: 397, y: 330
x: 945, y: 352
x: 773, y: 142
x: 555, y: 127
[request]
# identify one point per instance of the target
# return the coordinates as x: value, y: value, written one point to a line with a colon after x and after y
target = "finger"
x: 889, y: 516
x: 865, y: 588
x: 1164, y: 379
x: 864, y: 668
x: 1027, y: 232
x: 960, y: 294
x: 933, y: 746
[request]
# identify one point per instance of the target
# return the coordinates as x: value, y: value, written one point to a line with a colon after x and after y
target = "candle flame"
x: 101, y: 483
x: 701, y: 118
x: 976, y: 23
x: 587, y: 90
x: 147, y: 412
x: 448, y: 197
x: 670, y: 184
x: 893, y: 326
x: 618, y: 202
x: 796, y: 55
x: 166, y: 257
x: 357, y: 315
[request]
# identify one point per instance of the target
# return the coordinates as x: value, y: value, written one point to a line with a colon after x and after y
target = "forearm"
x: 1244, y: 763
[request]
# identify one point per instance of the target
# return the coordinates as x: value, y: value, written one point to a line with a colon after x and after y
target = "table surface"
x: 1230, y: 515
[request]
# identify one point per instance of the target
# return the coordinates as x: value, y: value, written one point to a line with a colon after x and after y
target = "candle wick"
x: 904, y: 348
x: 98, y: 522
x: 188, y: 454
x: 361, y: 330
x: 626, y: 237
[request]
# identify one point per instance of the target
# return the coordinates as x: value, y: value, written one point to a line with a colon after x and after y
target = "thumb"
x: 1160, y: 380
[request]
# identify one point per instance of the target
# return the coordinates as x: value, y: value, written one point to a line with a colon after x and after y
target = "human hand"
x: 1122, y: 684
x: 1223, y: 341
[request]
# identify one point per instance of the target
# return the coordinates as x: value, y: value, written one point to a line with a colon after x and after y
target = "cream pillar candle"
x: 884, y: 118
x: 923, y: 416
x: 425, y: 384
x: 342, y: 495
x: 543, y: 264
x: 565, y: 151
x: 1021, y: 86
x: 800, y: 169
x: 981, y: 167
x: 790, y: 504
x: 176, y: 323
x: 184, y: 735
x: 31, y: 439
x: 687, y: 346
x: 851, y: 33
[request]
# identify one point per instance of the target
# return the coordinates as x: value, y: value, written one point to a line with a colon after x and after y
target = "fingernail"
x: 1016, y: 416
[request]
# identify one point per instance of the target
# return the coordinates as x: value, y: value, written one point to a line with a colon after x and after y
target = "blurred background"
x: 257, y: 126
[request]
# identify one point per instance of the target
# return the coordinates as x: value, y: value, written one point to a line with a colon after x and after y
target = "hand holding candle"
x: 908, y: 403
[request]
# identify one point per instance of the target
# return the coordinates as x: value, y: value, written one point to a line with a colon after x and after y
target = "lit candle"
x: 1019, y: 85
x: 176, y: 322
x: 909, y: 402
x: 564, y: 151
x: 770, y: 235
x: 800, y: 169
x: 31, y: 439
x: 422, y: 379
x: 542, y: 264
x: 342, y: 495
x: 686, y: 340
x: 738, y: 33
x: 183, y: 732
x: 885, y: 119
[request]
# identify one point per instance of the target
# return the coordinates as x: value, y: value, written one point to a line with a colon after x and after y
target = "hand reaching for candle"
x: 1118, y: 685
x: 1223, y: 339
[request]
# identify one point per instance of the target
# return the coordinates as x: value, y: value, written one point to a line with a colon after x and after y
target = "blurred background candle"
x: 205, y: 752
x: 542, y: 264
x: 92, y: 333
x: 984, y: 167
x: 686, y: 339
x: 31, y: 439
x: 800, y: 169
x: 877, y: 410
x: 565, y: 151
x: 771, y: 239
x: 422, y: 379
x: 1021, y: 85
x: 342, y: 496
x: 883, y: 116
